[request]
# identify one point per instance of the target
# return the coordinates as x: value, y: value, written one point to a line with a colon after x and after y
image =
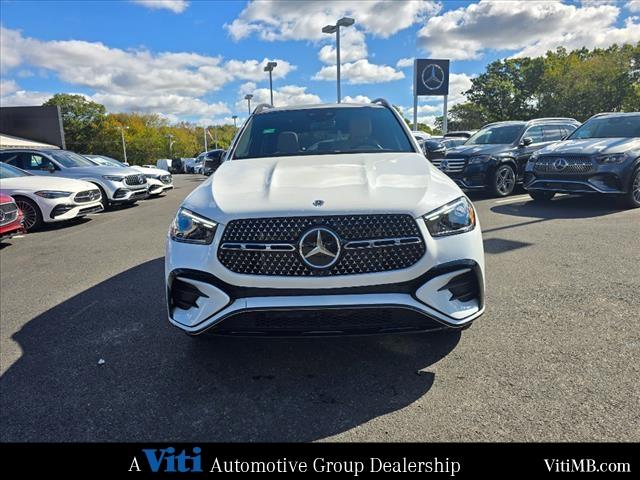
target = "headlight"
x: 113, y: 178
x: 53, y: 194
x: 613, y: 158
x: 189, y: 227
x: 450, y: 219
x: 480, y: 159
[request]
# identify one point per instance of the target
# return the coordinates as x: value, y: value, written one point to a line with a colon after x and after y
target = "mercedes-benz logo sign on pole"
x: 433, y: 77
x: 560, y: 164
x: 320, y: 248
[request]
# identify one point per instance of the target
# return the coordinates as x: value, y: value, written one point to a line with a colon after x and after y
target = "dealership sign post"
x: 430, y: 78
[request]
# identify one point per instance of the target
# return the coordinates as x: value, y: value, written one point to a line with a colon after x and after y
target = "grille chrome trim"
x: 573, y: 165
x: 259, y: 247
x: 139, y: 179
x: 381, y: 242
x: 9, y: 213
x: 454, y: 165
x: 87, y: 196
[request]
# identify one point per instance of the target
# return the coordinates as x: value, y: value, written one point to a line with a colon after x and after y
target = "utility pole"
x: 343, y: 22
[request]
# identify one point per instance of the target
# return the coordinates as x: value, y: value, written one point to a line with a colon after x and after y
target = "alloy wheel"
x: 29, y: 212
x: 636, y: 187
x: 505, y: 180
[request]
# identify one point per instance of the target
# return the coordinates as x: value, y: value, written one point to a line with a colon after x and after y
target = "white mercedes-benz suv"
x: 324, y: 220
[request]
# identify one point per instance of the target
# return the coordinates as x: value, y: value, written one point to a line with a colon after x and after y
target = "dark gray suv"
x: 494, y: 157
x: 602, y: 156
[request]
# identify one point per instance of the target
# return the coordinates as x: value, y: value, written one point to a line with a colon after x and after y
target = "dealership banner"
x: 466, y: 460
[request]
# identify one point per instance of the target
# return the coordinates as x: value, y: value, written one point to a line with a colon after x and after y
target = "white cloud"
x: 169, y: 83
x: 176, y: 6
x: 356, y: 99
x: 283, y: 96
x: 531, y: 28
x: 303, y: 20
x: 352, y: 47
x: 7, y: 87
x: 11, y: 95
x: 633, y: 6
x: 360, y: 72
x: 405, y: 62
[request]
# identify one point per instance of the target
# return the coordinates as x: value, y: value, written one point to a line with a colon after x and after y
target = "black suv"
x: 495, y: 156
x: 602, y: 156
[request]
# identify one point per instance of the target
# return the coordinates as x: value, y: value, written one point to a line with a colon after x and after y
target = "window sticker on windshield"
x: 268, y: 130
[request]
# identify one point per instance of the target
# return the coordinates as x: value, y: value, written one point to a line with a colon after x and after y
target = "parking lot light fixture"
x: 269, y: 68
x: 330, y: 29
x: 235, y: 117
x: 248, y: 98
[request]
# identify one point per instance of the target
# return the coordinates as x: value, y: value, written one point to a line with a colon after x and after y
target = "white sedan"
x: 48, y: 199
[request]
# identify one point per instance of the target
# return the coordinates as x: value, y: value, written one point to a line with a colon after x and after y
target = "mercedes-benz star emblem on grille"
x: 433, y: 76
x: 318, y: 203
x: 320, y: 248
x: 560, y: 164
x: 444, y: 165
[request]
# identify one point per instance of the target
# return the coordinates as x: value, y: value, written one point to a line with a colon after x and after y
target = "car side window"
x: 33, y: 161
x: 12, y: 158
x: 553, y: 133
x: 535, y: 133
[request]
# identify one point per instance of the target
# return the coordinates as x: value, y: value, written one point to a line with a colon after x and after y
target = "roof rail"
x: 382, y: 101
x: 547, y: 119
x: 261, y: 108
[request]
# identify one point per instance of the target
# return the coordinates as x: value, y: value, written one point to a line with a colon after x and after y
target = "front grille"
x: 8, y: 213
x: 87, y: 196
x: 563, y: 165
x: 369, y: 243
x: 166, y: 179
x: 449, y: 165
x: 135, y: 179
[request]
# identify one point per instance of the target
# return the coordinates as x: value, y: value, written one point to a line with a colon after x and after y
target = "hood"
x: 470, y: 150
x: 592, y: 146
x: 354, y: 183
x: 150, y: 171
x: 97, y: 171
x: 33, y: 183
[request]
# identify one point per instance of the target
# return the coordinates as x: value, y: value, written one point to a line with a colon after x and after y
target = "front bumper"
x: 63, y: 211
x: 129, y: 195
x: 418, y: 296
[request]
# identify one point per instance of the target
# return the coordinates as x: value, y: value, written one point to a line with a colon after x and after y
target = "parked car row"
x: 53, y: 185
x: 547, y: 156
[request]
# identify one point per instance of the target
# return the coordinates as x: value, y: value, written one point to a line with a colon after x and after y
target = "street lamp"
x: 124, y: 145
x: 171, y: 142
x: 343, y: 22
x: 248, y: 98
x: 269, y: 68
x: 234, y: 121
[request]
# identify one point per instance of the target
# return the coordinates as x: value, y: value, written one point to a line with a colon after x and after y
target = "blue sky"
x: 195, y: 60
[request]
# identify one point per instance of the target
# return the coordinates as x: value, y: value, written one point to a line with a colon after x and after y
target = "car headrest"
x: 360, y: 127
x: 288, y: 142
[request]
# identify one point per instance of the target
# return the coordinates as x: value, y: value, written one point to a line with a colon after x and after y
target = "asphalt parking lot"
x: 88, y: 355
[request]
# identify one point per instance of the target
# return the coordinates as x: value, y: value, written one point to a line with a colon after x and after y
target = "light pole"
x: 204, y: 130
x: 343, y: 22
x: 248, y: 98
x: 124, y: 145
x: 234, y: 121
x: 269, y: 68
x: 171, y: 142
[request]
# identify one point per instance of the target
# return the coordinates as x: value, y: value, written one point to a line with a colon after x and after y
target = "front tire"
x: 632, y: 198
x: 32, y: 214
x: 503, y: 181
x: 541, y: 196
x: 104, y: 200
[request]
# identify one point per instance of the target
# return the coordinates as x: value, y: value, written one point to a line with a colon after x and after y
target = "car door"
x: 36, y: 163
x: 536, y: 134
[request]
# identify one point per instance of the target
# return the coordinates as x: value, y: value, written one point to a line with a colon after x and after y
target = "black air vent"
x: 184, y: 295
x: 463, y: 287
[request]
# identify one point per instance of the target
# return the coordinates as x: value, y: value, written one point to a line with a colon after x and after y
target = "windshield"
x: 9, y: 171
x: 106, y: 162
x: 609, y: 127
x: 70, y: 159
x: 495, y: 135
x: 321, y: 131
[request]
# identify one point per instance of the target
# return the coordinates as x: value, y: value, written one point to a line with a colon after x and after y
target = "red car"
x: 10, y: 218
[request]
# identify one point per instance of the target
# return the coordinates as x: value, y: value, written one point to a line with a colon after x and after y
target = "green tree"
x: 81, y: 118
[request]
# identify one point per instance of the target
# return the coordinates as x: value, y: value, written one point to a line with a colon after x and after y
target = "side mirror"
x: 526, y: 141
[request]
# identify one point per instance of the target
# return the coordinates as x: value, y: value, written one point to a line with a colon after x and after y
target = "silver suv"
x: 117, y: 185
